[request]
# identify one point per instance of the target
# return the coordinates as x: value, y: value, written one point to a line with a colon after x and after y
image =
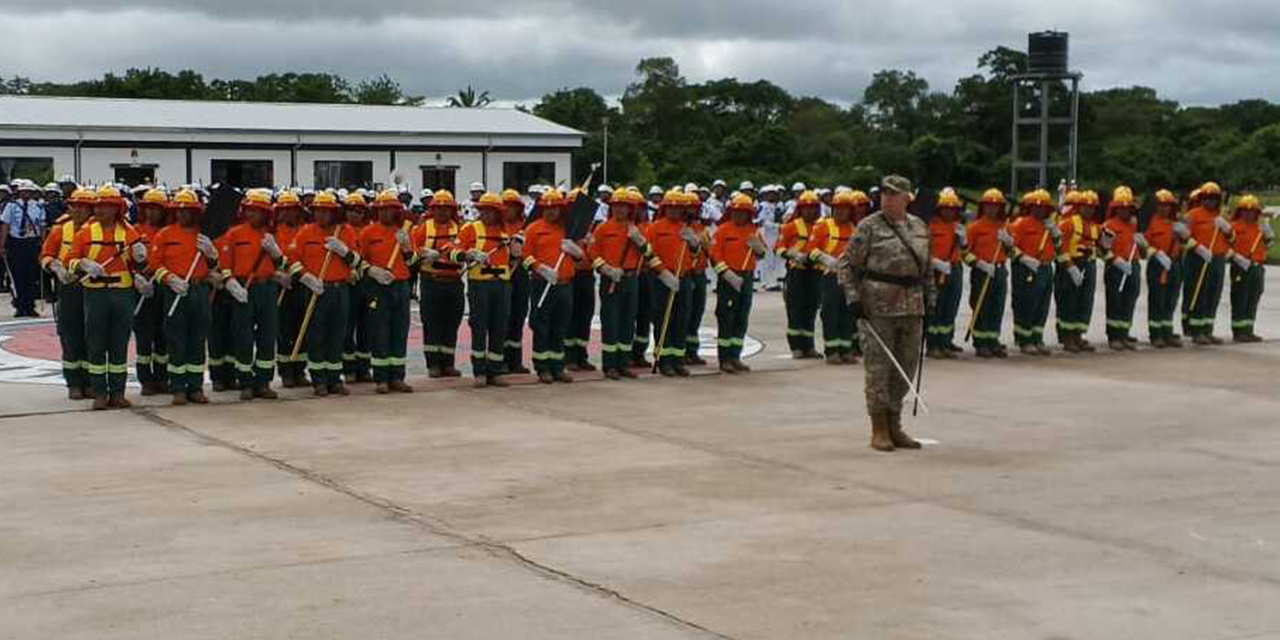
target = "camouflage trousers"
x: 884, y: 386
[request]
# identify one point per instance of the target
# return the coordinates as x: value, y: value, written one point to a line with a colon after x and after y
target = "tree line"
x: 665, y: 129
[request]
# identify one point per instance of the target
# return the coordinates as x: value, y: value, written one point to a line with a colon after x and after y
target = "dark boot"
x: 197, y: 397
x: 321, y: 390
x: 400, y: 386
x: 741, y: 366
x: 900, y: 438
x: 179, y: 399
x: 727, y: 367
x: 339, y: 389
x: 545, y: 377
x: 75, y: 393
x: 612, y: 374
x: 834, y: 358
x: 265, y: 393
x: 880, y: 438
x: 246, y: 393
x: 497, y: 381
x: 450, y: 371
x: 627, y: 373
x: 382, y: 389
x: 434, y: 371
x: 1173, y: 342
x: 562, y: 376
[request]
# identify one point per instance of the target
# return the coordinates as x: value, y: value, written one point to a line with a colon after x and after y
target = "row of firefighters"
x: 322, y: 293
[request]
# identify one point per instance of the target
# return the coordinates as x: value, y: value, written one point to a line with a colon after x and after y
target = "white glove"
x: 691, y: 238
x: 962, y: 236
x: 402, y: 239
x: 1124, y: 266
x: 283, y: 279
x: 611, y: 272
x: 205, y: 245
x: 428, y: 254
x: 1029, y: 262
x: 313, y: 283
x: 669, y: 280
x: 637, y: 238
x: 269, y: 245
x: 60, y: 271
x: 799, y: 258
x: 380, y: 275
x: 1204, y: 252
x: 548, y: 274
x: 237, y: 291
x: 176, y: 284
x: 143, y: 286
x: 827, y: 261
x: 1141, y: 241
x: 941, y: 266
x: 92, y: 268
x: 139, y: 252
x: 1181, y: 229
x: 734, y: 280
x: 1268, y: 232
x: 516, y: 248
x: 477, y: 256
x: 1055, y: 232
x: 757, y: 246
x: 570, y: 247
x: 1164, y: 260
x: 1106, y: 240
x: 1077, y: 276
x: 986, y: 267
x: 1005, y: 238
x: 337, y: 246
x: 1242, y: 262
x: 1223, y: 225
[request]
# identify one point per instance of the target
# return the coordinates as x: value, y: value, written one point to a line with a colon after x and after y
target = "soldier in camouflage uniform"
x: 888, y: 286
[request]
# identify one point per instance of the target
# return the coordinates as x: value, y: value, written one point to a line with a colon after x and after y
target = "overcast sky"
x: 1195, y: 52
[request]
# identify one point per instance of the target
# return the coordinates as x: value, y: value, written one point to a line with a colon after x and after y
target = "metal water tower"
x: 1047, y: 72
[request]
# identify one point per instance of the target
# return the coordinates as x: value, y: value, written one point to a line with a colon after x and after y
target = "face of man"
x: 491, y: 216
x: 326, y: 217
x: 1212, y: 203
x: 186, y: 217
x: 256, y: 217
x: 624, y: 212
x: 389, y: 216
x: 475, y: 195
x: 80, y: 213
x: 287, y: 215
x: 355, y: 215
x: 514, y: 212
x: 442, y: 215
x: 992, y: 210
x: 894, y: 203
x: 842, y: 213
x: 810, y: 213
x: 719, y: 192
x: 106, y: 213
x: 553, y: 214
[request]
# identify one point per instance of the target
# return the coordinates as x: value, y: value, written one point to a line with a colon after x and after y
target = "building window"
x: 343, y: 174
x: 37, y: 170
x: 519, y: 175
x: 132, y: 175
x: 243, y: 174
x: 437, y: 178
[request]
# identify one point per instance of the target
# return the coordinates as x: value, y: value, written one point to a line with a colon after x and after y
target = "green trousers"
x: 549, y: 323
x: 108, y: 317
x: 1075, y: 303
x: 646, y: 291
x: 187, y: 334
x: 489, y: 300
x: 584, y: 309
x: 1163, y: 288
x: 513, y: 348
x: 619, y: 303
x: 441, y: 308
x: 990, y: 318
x: 697, y: 309
x: 222, y: 364
x: 1032, y: 291
x: 837, y: 322
x: 1246, y: 291
x: 356, y: 356
x: 1121, y: 301
x: 941, y: 327
x: 151, y: 354
x: 255, y: 326
x: 326, y: 334
x: 1198, y: 320
x: 292, y: 307
x: 670, y: 348
x: 802, y: 295
x: 733, y: 314
x: 388, y: 321
x: 71, y: 323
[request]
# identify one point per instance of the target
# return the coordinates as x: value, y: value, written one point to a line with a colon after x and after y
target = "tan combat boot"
x: 900, y: 438
x: 880, y: 438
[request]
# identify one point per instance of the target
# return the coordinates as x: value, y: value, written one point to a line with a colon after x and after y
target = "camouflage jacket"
x: 876, y: 254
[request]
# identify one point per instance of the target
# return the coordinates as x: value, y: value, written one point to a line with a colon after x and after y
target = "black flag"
x: 220, y: 211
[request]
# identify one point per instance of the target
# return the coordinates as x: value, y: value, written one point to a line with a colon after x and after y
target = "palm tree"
x: 469, y: 99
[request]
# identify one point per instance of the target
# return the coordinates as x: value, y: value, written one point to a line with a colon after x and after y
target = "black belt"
x: 106, y: 279
x: 493, y: 271
x: 445, y: 266
x: 887, y: 278
x: 334, y: 285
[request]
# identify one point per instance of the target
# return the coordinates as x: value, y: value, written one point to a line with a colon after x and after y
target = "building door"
x: 243, y: 174
x: 519, y: 175
x: 437, y: 178
x: 133, y: 175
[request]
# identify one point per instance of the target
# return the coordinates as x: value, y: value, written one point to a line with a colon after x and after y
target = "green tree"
x: 385, y: 90
x: 469, y: 99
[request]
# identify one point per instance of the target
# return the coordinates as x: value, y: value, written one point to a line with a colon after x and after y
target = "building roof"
x: 254, y: 117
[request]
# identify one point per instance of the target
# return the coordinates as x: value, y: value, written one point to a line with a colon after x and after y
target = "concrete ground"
x: 1106, y: 496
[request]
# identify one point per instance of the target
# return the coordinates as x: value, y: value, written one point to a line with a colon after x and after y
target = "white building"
x: 280, y: 144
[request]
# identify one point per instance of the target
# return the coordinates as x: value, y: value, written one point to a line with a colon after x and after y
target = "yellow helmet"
x: 1091, y: 198
x: 948, y: 199
x: 672, y: 198
x: 1075, y: 198
x: 108, y: 194
x: 257, y: 199
x: 511, y: 196
x: 1248, y: 202
x: 1121, y: 197
x: 552, y: 199
x: 808, y: 199
x: 1037, y: 198
x: 490, y: 201
x: 631, y: 195
x: 83, y: 196
x: 993, y: 196
x: 743, y: 202
x: 843, y: 199
x: 443, y: 199
x: 1165, y: 196
x: 288, y: 199
x: 1210, y: 189
x: 860, y: 197
x: 354, y: 200
x: 155, y: 196
x: 186, y: 199
x: 325, y: 200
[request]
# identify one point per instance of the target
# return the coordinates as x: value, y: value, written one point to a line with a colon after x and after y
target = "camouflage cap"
x: 897, y: 184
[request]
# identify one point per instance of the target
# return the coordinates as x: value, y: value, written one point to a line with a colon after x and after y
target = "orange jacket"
x: 107, y: 247
x: 306, y: 254
x: 378, y: 248
x: 493, y: 242
x: 701, y: 257
x: 1161, y: 237
x: 173, y: 251
x: 942, y: 241
x: 668, y: 250
x: 829, y: 237
x: 439, y: 237
x: 1204, y: 230
x: 1249, y: 242
x: 794, y: 235
x: 1123, y: 245
x: 984, y: 242
x: 729, y: 248
x: 542, y: 248
x: 243, y: 258
x: 57, y: 245
x: 1031, y: 237
x: 1079, y: 237
x: 610, y: 245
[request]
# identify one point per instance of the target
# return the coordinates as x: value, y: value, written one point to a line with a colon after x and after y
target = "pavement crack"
x: 436, y: 526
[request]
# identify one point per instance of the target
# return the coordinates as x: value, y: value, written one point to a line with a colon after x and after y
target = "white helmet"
x: 477, y: 186
x: 656, y: 190
x: 719, y: 183
x: 746, y: 185
x: 799, y: 186
x: 604, y: 188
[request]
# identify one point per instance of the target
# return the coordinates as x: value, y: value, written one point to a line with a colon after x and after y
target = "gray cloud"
x: 1195, y: 53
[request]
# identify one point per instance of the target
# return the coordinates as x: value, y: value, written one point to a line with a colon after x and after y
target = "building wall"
x: 63, y: 158
x: 468, y: 164
x: 202, y: 167
x: 96, y: 165
x: 498, y: 159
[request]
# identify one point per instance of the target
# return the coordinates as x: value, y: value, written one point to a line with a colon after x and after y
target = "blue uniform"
x: 26, y: 226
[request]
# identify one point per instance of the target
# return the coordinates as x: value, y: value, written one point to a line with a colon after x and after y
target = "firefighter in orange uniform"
x: 671, y: 258
x: 1032, y: 278
x: 483, y: 245
x: 388, y: 253
x: 1165, y: 235
x: 54, y: 258
x: 701, y: 261
x: 617, y: 249
x: 583, y: 288
x: 987, y: 253
x: 518, y: 312
x: 827, y: 242
x: 1204, y: 264
x: 293, y: 301
x: 735, y: 248
x: 545, y: 249
x: 1123, y: 275
x: 946, y: 246
x: 151, y: 360
x: 355, y: 352
x: 184, y: 261
x: 1253, y: 238
x: 802, y: 288
x: 440, y: 287
x: 322, y: 259
x: 1076, y: 278
x: 249, y: 264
